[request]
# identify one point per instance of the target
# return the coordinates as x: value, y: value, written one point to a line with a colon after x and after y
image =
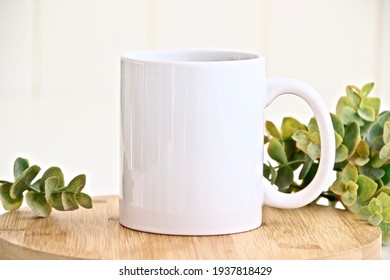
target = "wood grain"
x: 311, y: 232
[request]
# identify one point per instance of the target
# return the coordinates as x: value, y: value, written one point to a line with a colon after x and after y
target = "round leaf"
x: 349, y: 115
x: 349, y: 173
x: 348, y: 198
x: 51, y: 184
x: 337, y: 125
x: 367, y: 88
x: 20, y: 165
x: 353, y: 95
x: 290, y: 126
x: 367, y: 187
x: 285, y: 177
x: 375, y: 219
x: 341, y: 153
x: 364, y: 213
x: 386, y: 132
x: 367, y: 113
x: 373, y: 102
x: 84, y: 200
x: 78, y: 183
x: 38, y: 204
x: 384, y: 154
x: 23, y: 181
x: 52, y: 172
x: 272, y: 130
x: 313, y: 126
x: 341, y: 104
x: 352, y: 137
x: 375, y: 206
x: 276, y: 151
x: 69, y: 201
x: 384, y: 199
x: 5, y: 198
x: 338, y: 187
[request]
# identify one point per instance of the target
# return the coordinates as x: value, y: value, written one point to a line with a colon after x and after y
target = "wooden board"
x: 311, y: 232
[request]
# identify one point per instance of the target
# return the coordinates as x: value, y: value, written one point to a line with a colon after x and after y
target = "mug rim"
x: 190, y: 56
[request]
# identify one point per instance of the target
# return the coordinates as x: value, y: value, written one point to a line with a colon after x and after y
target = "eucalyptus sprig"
x: 45, y: 193
x: 362, y: 163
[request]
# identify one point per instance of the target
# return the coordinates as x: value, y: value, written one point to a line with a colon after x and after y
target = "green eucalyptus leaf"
x: 362, y: 149
x: 372, y: 102
x: 338, y: 187
x: 367, y: 113
x: 374, y: 173
x: 84, y: 200
x: 51, y: 184
x: 376, y: 161
x: 349, y: 115
x: 290, y: 126
x: 352, y: 137
x: 272, y: 130
x: 314, y: 151
x: 348, y: 198
x: 364, y: 213
x: 375, y: 206
x: 349, y: 173
x: 341, y: 104
x: 56, y: 201
x: 313, y: 126
x: 276, y: 151
x: 375, y: 219
x: 376, y: 129
x: 384, y: 154
x: 386, y: 132
x: 6, y: 200
x: 367, y: 88
x: 338, y: 140
x: 20, y: 165
x: 285, y: 177
x: 341, y: 153
x: 53, y: 172
x: 78, y: 183
x: 354, y: 96
x: 23, y: 181
x: 351, y: 187
x: 337, y: 125
x: 359, y: 161
x: 302, y: 139
x: 367, y: 187
x: 38, y: 204
x: 69, y: 201
x: 36, y: 186
x: 386, y: 215
x: 384, y: 199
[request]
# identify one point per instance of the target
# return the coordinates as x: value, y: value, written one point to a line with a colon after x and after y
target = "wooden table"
x: 311, y: 232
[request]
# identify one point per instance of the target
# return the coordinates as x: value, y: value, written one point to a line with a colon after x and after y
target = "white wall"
x: 59, y: 64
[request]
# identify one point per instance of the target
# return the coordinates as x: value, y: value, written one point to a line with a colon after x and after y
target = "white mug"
x: 192, y: 142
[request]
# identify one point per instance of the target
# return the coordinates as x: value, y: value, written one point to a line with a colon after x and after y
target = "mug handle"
x: 274, y: 198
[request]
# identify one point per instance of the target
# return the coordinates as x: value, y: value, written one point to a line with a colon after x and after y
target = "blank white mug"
x: 192, y: 142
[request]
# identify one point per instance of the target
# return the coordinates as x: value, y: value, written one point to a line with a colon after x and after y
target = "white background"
x: 59, y: 65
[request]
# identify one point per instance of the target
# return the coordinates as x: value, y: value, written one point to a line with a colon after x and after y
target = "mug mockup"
x: 191, y: 159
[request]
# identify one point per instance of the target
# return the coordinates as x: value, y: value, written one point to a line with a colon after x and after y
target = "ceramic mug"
x: 192, y: 142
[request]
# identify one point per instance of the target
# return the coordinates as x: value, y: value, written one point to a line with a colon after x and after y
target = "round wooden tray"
x: 311, y: 232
